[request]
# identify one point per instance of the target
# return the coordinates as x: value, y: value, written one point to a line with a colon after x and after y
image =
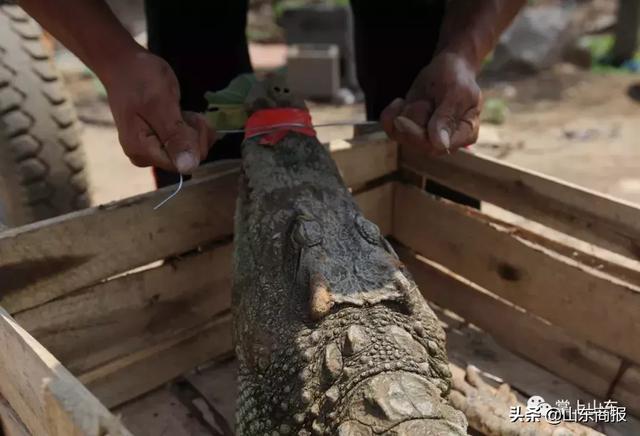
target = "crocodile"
x: 332, y: 334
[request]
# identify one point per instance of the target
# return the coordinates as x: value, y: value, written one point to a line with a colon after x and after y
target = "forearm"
x: 86, y: 27
x: 471, y: 28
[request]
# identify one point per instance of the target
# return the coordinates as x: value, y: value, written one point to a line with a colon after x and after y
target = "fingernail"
x: 186, y: 162
x: 445, y: 139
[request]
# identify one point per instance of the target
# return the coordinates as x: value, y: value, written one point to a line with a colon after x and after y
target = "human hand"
x: 144, y: 96
x: 441, y: 112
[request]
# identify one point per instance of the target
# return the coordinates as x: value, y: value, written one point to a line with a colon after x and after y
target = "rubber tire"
x: 41, y: 161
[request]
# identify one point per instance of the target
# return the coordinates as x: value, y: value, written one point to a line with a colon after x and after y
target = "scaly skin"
x: 332, y: 334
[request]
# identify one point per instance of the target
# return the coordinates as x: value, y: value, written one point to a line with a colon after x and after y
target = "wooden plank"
x: 160, y: 413
x: 104, y: 322
x: 600, y: 262
x: 366, y: 158
x: 46, y: 397
x: 48, y: 259
x: 147, y: 369
x: 586, y: 366
x: 585, y: 214
x: 10, y: 423
x: 534, y: 279
x: 218, y: 383
x: 376, y: 205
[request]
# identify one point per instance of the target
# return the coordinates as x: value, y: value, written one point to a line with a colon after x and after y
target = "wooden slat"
x: 10, y: 424
x: 377, y: 205
x: 601, y: 263
x: 597, y: 218
x: 145, y: 370
x: 513, y: 268
x: 48, y: 259
x: 45, y: 396
x: 112, y: 319
x: 217, y: 382
x: 366, y: 158
x: 162, y: 413
x: 586, y: 366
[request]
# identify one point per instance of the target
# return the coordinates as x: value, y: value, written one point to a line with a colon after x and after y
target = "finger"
x: 504, y: 394
x: 467, y: 129
x: 206, y: 135
x: 458, y: 400
x: 179, y: 139
x: 157, y: 155
x: 389, y: 114
x: 418, y: 111
x: 409, y: 133
x: 475, y: 379
x: 142, y: 146
x: 442, y: 125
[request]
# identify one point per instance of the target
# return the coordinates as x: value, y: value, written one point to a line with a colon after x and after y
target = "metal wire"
x: 285, y: 125
x: 159, y: 205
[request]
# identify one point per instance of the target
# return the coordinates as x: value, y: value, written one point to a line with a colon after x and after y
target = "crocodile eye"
x: 368, y: 230
x: 307, y: 233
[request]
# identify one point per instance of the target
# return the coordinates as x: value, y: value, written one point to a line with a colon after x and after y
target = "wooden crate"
x: 95, y: 288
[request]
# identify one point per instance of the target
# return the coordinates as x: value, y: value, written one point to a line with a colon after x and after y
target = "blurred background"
x: 562, y: 89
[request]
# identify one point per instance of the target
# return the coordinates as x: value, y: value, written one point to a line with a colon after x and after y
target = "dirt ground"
x: 578, y: 126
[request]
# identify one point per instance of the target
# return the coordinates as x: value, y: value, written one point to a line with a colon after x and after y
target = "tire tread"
x: 40, y: 149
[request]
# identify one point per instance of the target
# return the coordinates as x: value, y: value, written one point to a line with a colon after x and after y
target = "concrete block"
x: 313, y: 70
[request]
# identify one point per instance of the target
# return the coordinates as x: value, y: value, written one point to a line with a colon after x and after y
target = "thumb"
x: 441, y: 126
x: 179, y: 140
x: 182, y: 146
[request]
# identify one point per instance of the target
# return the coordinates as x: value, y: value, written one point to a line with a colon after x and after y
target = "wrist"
x: 460, y: 62
x: 108, y: 66
x: 463, y: 53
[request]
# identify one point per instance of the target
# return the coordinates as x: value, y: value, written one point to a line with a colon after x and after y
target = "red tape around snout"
x: 267, y: 121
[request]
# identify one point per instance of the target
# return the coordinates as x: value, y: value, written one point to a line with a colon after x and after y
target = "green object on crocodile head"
x: 227, y: 108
